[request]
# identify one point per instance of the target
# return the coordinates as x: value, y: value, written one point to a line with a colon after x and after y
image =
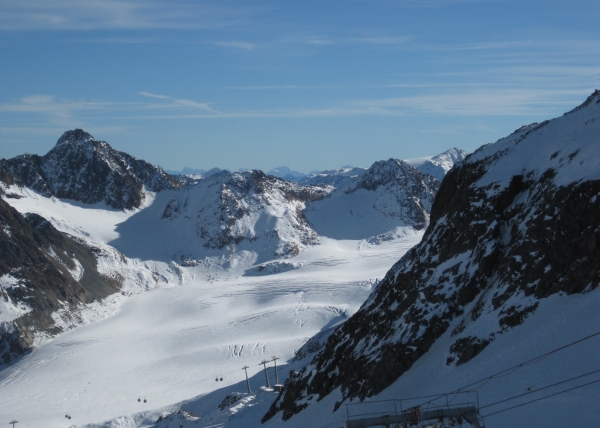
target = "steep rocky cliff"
x: 41, y: 272
x: 514, y: 223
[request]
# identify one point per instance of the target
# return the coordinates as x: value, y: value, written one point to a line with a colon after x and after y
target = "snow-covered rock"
x: 390, y: 194
x: 247, y: 211
x: 515, y: 223
x: 286, y: 173
x: 84, y: 169
x: 438, y: 165
x: 42, y: 271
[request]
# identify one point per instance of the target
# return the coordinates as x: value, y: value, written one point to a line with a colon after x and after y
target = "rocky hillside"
x: 42, y: 271
x: 388, y: 195
x: 514, y: 223
x: 249, y: 210
x: 86, y: 170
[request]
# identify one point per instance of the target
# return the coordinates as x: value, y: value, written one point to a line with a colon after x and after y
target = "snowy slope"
x: 230, y: 218
x: 65, y: 271
x: 558, y: 322
x: 168, y: 344
x: 438, y: 165
x: 389, y: 195
x: 514, y: 225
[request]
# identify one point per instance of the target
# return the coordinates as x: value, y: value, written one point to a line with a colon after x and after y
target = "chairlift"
x: 145, y: 400
x: 139, y: 399
x: 221, y: 379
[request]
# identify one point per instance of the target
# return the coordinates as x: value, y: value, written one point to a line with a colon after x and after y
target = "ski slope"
x: 168, y: 343
x: 492, y: 377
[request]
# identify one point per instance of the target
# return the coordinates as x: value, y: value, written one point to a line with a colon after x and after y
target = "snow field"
x: 169, y: 343
x: 560, y: 320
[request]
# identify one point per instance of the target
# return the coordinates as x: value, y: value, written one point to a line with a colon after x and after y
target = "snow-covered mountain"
x: 42, y: 272
x: 438, y: 165
x: 226, y: 216
x: 512, y: 225
x: 334, y: 177
x: 389, y: 195
x: 237, y: 222
x: 286, y: 173
x: 85, y: 227
x: 84, y: 169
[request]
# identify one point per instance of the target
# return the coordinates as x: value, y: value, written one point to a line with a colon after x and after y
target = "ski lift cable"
x: 514, y: 368
x: 178, y: 387
x: 540, y: 389
x: 532, y: 361
x: 157, y: 393
x: 542, y: 398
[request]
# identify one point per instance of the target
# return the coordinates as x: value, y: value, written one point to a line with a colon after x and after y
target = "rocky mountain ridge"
x: 514, y: 223
x: 81, y: 168
x: 440, y: 164
x: 42, y: 271
x: 388, y: 195
x: 228, y: 210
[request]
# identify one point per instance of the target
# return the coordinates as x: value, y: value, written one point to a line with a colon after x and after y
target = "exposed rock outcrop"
x: 388, y: 195
x: 514, y: 223
x: 41, y: 271
x: 86, y: 170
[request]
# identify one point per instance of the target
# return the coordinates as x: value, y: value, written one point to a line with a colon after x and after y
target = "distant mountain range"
x: 436, y: 166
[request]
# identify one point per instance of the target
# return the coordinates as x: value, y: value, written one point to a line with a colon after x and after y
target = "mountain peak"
x: 75, y: 135
x: 384, y: 171
x: 594, y: 98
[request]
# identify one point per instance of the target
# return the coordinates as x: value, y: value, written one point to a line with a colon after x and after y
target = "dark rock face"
x: 413, y: 190
x: 389, y: 195
x: 497, y: 244
x: 86, y: 170
x: 40, y: 260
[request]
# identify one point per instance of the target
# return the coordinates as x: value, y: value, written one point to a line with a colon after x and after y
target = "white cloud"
x: 238, y: 45
x: 485, y: 102
x: 114, y: 14
x: 176, y: 102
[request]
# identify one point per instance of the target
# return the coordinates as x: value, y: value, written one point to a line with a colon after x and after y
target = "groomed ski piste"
x: 175, y: 329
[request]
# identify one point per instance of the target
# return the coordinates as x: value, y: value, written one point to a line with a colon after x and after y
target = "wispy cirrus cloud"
x: 236, y: 44
x: 474, y: 101
x: 497, y: 101
x: 176, y: 102
x: 54, y: 111
x: 116, y: 14
x: 323, y: 40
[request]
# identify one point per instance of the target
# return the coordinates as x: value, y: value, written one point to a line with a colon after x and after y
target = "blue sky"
x: 308, y: 84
